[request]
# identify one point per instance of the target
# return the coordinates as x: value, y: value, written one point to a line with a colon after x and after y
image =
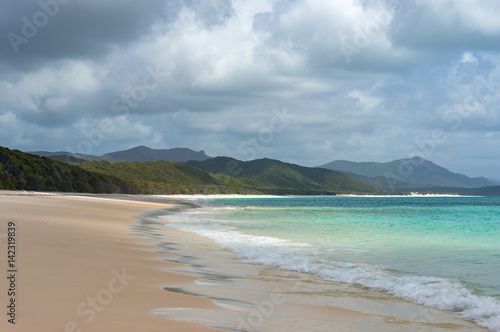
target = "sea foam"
x: 434, y: 292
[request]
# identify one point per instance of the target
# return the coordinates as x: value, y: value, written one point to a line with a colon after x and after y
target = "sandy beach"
x: 80, y: 269
x: 90, y: 263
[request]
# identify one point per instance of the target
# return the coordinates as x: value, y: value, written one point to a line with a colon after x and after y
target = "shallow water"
x: 439, y: 252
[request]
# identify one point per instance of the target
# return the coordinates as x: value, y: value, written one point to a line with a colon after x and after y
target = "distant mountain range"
x: 142, y: 170
x: 24, y: 171
x: 406, y: 174
x: 140, y: 153
x: 395, y: 176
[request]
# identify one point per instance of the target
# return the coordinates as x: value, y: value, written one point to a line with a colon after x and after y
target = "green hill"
x: 23, y: 171
x: 174, y: 177
x: 154, y: 171
x: 273, y: 176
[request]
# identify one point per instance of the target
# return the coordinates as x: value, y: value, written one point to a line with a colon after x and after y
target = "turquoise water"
x: 442, y: 252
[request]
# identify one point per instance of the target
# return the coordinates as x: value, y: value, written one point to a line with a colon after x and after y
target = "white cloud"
x: 51, y: 87
x: 469, y: 57
x: 364, y: 100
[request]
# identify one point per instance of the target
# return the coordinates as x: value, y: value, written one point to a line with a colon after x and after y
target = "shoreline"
x: 79, y: 267
x: 182, y: 197
x: 115, y: 249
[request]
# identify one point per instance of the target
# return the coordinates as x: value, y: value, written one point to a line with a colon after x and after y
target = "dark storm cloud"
x: 35, y: 32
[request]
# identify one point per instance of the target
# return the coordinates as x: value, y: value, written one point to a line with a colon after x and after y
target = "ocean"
x: 440, y: 252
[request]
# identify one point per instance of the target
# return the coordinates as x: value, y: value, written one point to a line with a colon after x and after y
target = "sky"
x: 303, y: 81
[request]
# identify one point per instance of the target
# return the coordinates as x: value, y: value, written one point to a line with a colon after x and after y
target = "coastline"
x: 79, y: 268
x: 114, y: 249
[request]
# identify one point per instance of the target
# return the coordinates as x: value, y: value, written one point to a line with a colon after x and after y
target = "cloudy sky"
x: 304, y: 81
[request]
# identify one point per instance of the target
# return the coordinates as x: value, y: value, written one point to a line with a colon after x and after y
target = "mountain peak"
x: 416, y: 170
x: 144, y: 154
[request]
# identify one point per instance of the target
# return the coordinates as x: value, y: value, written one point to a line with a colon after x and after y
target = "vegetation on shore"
x: 221, y: 175
x: 23, y: 171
